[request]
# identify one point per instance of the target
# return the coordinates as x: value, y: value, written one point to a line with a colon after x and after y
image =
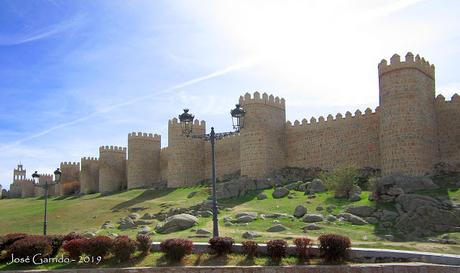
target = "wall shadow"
x: 144, y: 196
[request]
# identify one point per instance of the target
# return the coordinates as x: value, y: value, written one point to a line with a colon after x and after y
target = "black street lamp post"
x: 57, y: 178
x: 186, y: 120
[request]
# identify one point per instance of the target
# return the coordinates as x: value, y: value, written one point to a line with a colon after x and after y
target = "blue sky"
x: 75, y: 75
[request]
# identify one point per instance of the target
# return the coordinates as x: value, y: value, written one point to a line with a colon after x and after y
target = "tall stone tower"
x: 89, y: 176
x: 186, y: 155
x: 143, y: 160
x: 70, y: 178
x: 112, y: 169
x: 408, y: 141
x: 263, y: 140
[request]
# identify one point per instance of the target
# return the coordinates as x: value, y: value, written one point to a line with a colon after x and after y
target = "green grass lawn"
x: 89, y: 212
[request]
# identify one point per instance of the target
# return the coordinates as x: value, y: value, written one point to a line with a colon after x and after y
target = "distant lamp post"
x: 57, y: 179
x: 186, y: 121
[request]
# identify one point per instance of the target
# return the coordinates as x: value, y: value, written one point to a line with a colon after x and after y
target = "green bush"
x: 341, y: 180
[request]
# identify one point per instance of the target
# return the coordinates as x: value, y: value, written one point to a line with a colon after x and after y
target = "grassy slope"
x: 88, y: 213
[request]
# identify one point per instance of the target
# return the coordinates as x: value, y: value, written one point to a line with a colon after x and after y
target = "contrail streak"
x: 215, y: 74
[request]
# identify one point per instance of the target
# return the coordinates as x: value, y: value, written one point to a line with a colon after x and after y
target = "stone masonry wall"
x: 263, y: 139
x: 40, y: 191
x: 448, y: 118
x: 143, y: 160
x: 112, y: 169
x: 408, y: 130
x: 186, y: 155
x: 89, y: 176
x: 227, y: 152
x: 349, y: 140
x: 70, y: 174
x: 164, y: 158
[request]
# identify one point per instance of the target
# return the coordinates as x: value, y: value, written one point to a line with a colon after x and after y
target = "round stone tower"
x: 186, y: 166
x: 112, y: 169
x: 89, y: 176
x: 263, y: 140
x: 407, y: 115
x: 143, y: 160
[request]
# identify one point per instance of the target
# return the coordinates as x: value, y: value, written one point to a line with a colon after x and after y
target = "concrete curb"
x: 355, y: 253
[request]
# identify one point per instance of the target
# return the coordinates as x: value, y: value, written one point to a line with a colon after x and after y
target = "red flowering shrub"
x: 334, y: 247
x: 221, y: 245
x: 74, y: 248
x: 123, y: 247
x: 276, y: 249
x: 250, y: 248
x: 303, y: 246
x: 98, y: 246
x: 176, y: 249
x: 144, y: 244
x: 30, y: 246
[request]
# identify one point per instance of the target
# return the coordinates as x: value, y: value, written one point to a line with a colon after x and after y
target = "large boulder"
x: 317, y: 185
x: 300, y: 211
x: 176, y: 223
x: 276, y: 228
x: 250, y: 235
x: 244, y: 219
x: 362, y: 211
x: 425, y: 216
x: 354, y: 194
x: 262, y: 196
x: 126, y: 223
x: 353, y: 219
x: 388, y: 188
x: 313, y: 218
x: 280, y: 192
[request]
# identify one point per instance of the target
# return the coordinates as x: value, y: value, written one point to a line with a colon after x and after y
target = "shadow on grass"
x: 215, y: 260
x: 233, y: 202
x: 248, y: 261
x: 144, y: 196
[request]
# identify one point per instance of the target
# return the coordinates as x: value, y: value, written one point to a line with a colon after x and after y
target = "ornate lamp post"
x: 57, y: 179
x: 186, y: 120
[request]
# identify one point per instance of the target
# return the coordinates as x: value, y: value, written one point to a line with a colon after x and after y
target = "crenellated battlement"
x: 454, y: 99
x: 264, y: 99
x: 196, y: 122
x: 410, y: 62
x: 70, y: 164
x: 330, y: 119
x: 89, y: 159
x: 144, y: 136
x: 44, y: 175
x: 112, y: 149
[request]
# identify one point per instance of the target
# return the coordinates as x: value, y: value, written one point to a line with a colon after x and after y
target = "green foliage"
x: 341, y: 180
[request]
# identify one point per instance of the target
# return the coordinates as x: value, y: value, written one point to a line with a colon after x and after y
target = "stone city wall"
x: 144, y: 160
x: 89, y: 176
x: 335, y: 141
x: 112, y: 169
x: 227, y: 153
x: 448, y: 117
x: 69, y: 177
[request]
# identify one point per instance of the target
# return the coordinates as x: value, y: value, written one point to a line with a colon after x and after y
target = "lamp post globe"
x: 237, y: 117
x: 57, y: 175
x: 36, y: 177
